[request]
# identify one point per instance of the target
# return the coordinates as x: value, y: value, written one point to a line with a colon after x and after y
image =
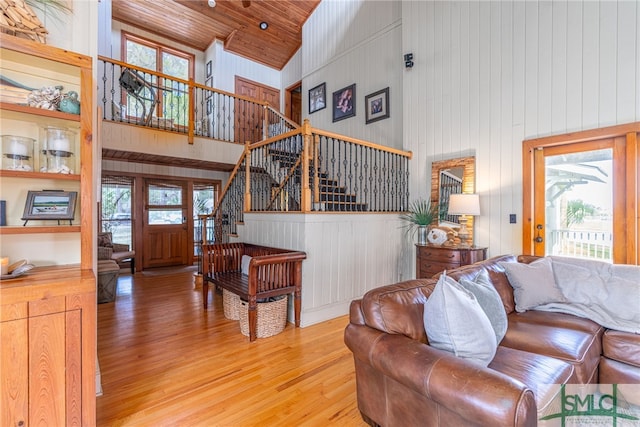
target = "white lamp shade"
x: 464, y: 204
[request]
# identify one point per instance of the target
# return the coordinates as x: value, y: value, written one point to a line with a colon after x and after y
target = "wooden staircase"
x: 332, y: 196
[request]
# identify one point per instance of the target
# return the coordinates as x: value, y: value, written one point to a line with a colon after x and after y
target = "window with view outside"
x: 579, y: 204
x: 164, y: 204
x: 204, y: 197
x: 115, y: 210
x: 174, y: 95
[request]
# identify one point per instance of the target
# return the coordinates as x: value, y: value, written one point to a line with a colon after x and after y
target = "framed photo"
x: 344, y: 105
x: 377, y: 105
x: 208, y: 69
x: 42, y: 205
x: 209, y: 105
x: 208, y: 83
x: 318, y: 98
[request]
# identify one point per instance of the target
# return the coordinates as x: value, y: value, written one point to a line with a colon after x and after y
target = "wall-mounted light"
x: 264, y: 25
x: 211, y: 3
x: 408, y: 60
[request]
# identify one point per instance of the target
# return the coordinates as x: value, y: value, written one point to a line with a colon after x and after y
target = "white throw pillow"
x: 455, y: 322
x: 244, y: 263
x: 533, y: 284
x: 489, y: 300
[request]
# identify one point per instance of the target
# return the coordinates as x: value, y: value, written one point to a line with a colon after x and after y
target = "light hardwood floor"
x: 166, y: 362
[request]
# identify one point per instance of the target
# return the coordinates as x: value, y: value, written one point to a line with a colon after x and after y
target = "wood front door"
x: 165, y: 225
x: 248, y: 115
x: 293, y: 103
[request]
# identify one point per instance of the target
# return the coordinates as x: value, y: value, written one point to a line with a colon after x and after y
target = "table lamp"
x: 464, y: 205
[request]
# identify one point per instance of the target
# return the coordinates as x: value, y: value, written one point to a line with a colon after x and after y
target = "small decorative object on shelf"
x: 70, y: 103
x: 59, y: 151
x: 47, y: 98
x: 50, y: 204
x: 17, y: 153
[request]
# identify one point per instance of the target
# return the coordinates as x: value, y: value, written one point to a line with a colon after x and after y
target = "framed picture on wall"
x: 344, y: 105
x: 318, y: 98
x: 209, y: 70
x: 377, y: 106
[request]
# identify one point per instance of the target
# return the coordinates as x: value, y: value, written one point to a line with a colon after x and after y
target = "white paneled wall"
x: 228, y: 66
x: 347, y: 255
x: 361, y: 47
x: 490, y: 74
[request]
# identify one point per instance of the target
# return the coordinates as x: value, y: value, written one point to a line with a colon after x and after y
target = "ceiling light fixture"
x: 211, y: 3
x: 264, y: 25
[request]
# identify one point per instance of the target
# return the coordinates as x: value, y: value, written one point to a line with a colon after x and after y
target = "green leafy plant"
x: 58, y: 6
x: 420, y: 213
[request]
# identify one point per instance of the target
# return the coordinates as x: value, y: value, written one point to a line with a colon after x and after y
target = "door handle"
x: 538, y: 238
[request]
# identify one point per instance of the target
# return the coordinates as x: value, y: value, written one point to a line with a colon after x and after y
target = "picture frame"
x: 377, y: 106
x: 344, y: 103
x: 318, y: 98
x: 209, y: 105
x: 208, y: 83
x: 50, y: 205
x: 209, y: 68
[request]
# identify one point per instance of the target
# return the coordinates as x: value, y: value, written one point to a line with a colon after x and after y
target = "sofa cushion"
x: 539, y: 373
x: 497, y: 276
x: 455, y: 322
x: 561, y: 336
x: 104, y: 239
x: 489, y: 301
x: 533, y: 284
x: 244, y: 264
x: 621, y: 346
x: 615, y: 372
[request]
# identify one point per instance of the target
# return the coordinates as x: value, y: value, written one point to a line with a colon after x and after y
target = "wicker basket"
x: 230, y: 304
x: 272, y: 317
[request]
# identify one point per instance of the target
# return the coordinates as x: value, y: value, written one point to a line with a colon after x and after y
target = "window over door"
x: 581, y: 195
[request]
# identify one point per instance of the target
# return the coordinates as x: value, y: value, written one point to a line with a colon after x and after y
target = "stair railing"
x: 309, y: 170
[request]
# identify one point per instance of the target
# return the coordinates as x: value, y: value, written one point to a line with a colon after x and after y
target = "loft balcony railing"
x: 311, y: 171
x: 143, y: 97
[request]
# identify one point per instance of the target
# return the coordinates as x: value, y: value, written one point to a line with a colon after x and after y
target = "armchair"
x: 118, y: 252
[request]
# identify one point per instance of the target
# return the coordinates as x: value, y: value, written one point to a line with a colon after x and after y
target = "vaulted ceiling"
x: 236, y: 22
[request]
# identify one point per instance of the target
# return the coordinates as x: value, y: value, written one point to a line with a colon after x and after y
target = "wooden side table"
x: 431, y: 260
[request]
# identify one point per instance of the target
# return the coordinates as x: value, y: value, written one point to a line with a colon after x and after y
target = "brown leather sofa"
x: 402, y: 381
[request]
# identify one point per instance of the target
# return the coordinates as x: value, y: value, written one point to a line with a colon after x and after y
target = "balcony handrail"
x: 185, y: 82
x: 190, y: 108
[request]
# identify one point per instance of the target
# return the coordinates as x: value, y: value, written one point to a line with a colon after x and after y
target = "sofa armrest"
x: 104, y: 252
x: 120, y: 247
x: 478, y: 394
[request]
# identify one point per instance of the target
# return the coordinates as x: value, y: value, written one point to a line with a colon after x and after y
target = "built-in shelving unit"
x: 48, y: 316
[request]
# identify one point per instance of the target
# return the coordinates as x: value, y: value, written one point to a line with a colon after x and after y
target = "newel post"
x: 247, y: 177
x: 307, y: 139
x: 192, y: 106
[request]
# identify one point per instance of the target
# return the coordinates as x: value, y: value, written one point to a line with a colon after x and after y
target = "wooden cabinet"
x: 431, y: 260
x: 48, y: 316
x: 48, y: 335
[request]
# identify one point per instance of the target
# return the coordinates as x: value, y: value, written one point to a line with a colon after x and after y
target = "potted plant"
x: 418, y: 218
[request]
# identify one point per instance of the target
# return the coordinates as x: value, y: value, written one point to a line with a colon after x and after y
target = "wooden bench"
x: 272, y: 272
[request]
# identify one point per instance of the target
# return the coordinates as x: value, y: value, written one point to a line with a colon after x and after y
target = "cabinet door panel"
x: 14, y: 373
x: 74, y: 367
x: 47, y: 370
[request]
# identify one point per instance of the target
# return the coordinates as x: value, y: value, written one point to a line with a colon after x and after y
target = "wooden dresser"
x: 431, y: 260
